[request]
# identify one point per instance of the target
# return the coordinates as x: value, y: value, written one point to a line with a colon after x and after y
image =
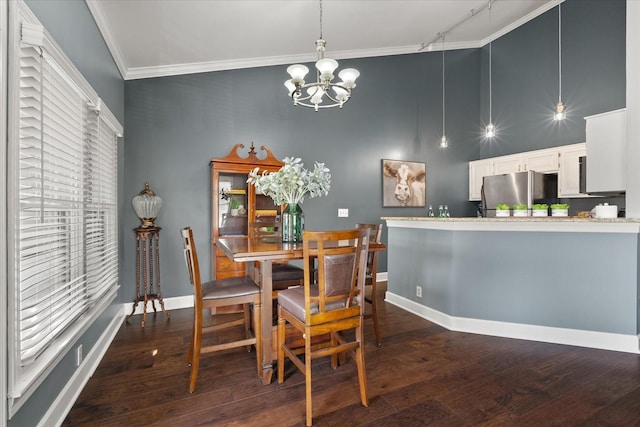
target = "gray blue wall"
x: 175, y: 125
x: 73, y: 28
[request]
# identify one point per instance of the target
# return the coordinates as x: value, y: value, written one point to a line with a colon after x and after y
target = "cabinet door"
x: 231, y: 212
x: 569, y: 171
x: 545, y: 161
x: 508, y: 164
x: 477, y: 170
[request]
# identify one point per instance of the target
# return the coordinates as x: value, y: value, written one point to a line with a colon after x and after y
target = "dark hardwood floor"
x: 421, y: 375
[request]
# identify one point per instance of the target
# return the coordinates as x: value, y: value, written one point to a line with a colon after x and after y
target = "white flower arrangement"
x: 292, y: 183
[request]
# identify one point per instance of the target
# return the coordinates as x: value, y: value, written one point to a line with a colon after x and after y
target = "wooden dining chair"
x: 332, y: 305
x: 229, y: 291
x: 375, y: 235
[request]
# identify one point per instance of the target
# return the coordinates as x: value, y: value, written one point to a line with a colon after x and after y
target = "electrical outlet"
x: 343, y: 213
x: 79, y: 355
x: 419, y: 291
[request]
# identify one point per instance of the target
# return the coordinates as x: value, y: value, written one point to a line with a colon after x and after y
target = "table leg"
x: 267, y: 309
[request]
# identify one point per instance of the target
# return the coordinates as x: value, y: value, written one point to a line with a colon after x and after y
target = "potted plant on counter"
x: 559, y: 209
x: 540, y: 209
x: 503, y: 209
x: 520, y: 210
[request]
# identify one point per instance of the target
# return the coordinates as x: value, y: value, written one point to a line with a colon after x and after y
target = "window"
x: 62, y: 208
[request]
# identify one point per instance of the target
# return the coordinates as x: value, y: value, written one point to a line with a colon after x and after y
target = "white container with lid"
x: 606, y: 211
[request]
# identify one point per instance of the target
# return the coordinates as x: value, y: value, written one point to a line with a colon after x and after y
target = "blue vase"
x: 292, y: 223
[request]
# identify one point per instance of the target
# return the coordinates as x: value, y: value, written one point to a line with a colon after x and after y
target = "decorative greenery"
x: 292, y: 183
x: 540, y: 207
x: 502, y: 207
x: 519, y: 207
x: 559, y: 206
x: 234, y: 204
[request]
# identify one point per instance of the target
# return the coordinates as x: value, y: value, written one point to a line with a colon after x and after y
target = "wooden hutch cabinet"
x: 235, y: 204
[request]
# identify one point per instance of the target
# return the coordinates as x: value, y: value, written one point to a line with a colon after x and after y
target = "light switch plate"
x: 343, y: 213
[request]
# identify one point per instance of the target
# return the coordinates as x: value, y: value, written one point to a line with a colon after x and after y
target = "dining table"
x: 265, y: 250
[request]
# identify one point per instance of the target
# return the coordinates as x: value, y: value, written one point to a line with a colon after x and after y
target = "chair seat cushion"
x: 292, y: 300
x: 229, y: 287
x: 281, y: 271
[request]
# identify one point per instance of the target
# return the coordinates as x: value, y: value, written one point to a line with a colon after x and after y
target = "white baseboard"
x: 581, y: 338
x: 59, y: 409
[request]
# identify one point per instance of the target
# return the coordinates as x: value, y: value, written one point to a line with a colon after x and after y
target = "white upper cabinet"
x: 477, y: 170
x: 569, y: 173
x: 607, y: 152
x: 508, y: 164
x: 545, y: 161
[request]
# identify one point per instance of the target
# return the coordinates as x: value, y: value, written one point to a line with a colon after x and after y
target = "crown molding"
x: 205, y: 67
x: 105, y: 30
x: 539, y: 11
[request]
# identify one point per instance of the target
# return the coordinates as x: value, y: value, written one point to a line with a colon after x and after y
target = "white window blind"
x: 63, y: 149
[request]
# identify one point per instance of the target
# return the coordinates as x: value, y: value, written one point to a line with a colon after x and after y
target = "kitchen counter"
x: 554, y: 279
x: 538, y: 224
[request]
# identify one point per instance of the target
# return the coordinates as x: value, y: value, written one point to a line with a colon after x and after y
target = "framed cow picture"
x: 403, y: 183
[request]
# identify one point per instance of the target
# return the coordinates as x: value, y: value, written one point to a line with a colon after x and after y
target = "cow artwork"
x: 403, y: 183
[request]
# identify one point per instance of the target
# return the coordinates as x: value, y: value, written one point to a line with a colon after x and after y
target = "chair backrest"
x: 191, y: 259
x: 341, y: 264
x: 375, y: 235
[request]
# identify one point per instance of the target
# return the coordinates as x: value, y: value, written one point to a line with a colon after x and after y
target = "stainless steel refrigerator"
x: 524, y: 188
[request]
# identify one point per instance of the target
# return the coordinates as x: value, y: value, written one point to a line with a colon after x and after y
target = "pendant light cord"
x: 443, y: 121
x: 490, y: 60
x: 560, y: 51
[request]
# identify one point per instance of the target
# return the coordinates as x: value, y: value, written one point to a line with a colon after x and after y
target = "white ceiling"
x: 151, y: 38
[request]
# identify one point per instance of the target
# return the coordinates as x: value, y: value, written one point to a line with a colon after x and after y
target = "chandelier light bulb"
x: 349, y: 76
x: 326, y: 67
x: 443, y: 142
x: 297, y: 73
x: 341, y: 94
x: 291, y: 87
x: 490, y: 131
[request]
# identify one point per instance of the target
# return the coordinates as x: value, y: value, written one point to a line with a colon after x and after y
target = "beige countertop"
x: 539, y: 224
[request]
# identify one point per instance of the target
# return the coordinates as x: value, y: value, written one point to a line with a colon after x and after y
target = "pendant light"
x: 443, y: 141
x: 490, y: 130
x: 559, y: 113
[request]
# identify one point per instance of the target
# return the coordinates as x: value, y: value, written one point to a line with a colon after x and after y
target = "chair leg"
x: 195, y: 349
x: 374, y: 310
x: 362, y: 378
x: 247, y: 323
x: 257, y: 330
x: 307, y: 373
x: 281, y: 338
x: 334, y: 356
x: 193, y: 339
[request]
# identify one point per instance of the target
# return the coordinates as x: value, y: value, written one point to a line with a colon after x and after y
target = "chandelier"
x: 323, y: 90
